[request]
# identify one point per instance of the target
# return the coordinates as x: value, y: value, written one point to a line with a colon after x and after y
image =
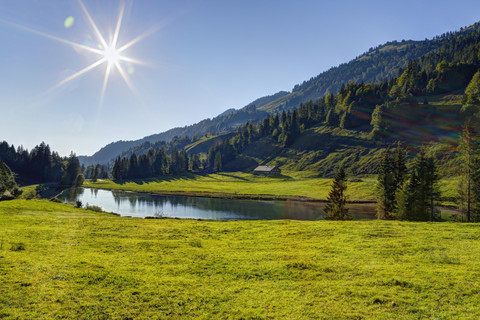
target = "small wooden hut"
x: 267, y: 171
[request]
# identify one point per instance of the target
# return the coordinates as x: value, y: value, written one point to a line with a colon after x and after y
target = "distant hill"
x: 383, y: 62
x: 226, y: 121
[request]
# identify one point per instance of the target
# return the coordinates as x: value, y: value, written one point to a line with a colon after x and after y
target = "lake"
x: 143, y: 205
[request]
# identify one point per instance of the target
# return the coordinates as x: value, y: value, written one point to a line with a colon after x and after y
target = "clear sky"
x: 201, y: 58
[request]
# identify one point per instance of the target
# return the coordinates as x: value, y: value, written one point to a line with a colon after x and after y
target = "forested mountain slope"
x: 427, y: 106
x: 226, y: 121
x: 376, y: 65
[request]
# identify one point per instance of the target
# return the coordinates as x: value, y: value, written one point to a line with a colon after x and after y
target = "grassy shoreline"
x: 239, y: 185
x: 223, y: 195
x: 57, y: 261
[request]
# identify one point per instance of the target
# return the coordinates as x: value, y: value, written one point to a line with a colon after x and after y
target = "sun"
x: 111, y: 55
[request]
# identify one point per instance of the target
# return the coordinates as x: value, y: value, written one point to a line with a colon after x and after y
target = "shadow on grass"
x: 195, y: 176
x: 232, y: 176
x: 169, y: 178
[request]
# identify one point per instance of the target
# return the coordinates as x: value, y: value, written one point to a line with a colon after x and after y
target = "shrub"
x: 17, y: 246
x: 93, y: 208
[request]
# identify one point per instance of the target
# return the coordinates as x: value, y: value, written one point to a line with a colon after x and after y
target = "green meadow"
x: 60, y: 262
x: 246, y: 185
x: 242, y: 185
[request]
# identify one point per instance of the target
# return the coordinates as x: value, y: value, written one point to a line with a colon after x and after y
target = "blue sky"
x: 203, y: 58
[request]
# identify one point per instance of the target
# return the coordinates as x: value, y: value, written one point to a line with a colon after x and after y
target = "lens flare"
x: 109, y: 53
x: 69, y: 22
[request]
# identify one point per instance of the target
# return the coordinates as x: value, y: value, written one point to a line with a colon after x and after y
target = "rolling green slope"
x: 66, y: 263
x: 318, y: 150
x: 205, y: 143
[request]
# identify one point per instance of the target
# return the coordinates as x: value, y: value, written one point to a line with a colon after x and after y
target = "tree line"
x: 41, y: 165
x: 411, y: 192
x: 155, y: 163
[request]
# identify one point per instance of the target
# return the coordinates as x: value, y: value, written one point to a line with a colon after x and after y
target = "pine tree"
x: 469, y: 187
x: 95, y: 173
x: 378, y: 123
x: 416, y: 197
x: 7, y: 180
x: 72, y: 171
x: 331, y: 118
x: 386, y: 187
x: 399, y: 166
x: 217, y: 165
x: 391, y: 176
x: 335, y: 208
x: 472, y: 95
x: 195, y: 162
x: 117, y: 173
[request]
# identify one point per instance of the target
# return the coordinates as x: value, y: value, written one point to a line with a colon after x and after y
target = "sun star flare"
x: 110, y: 54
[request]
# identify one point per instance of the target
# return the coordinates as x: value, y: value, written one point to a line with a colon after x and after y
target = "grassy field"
x: 240, y: 185
x: 60, y: 262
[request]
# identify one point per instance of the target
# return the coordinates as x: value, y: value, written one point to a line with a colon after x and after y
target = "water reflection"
x: 143, y: 205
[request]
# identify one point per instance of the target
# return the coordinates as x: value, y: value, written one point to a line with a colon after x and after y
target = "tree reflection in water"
x: 143, y: 205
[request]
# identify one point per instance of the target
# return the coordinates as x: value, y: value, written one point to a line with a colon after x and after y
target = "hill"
x: 378, y: 64
x: 226, y: 121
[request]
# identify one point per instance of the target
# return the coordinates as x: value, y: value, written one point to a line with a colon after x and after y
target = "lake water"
x: 144, y: 205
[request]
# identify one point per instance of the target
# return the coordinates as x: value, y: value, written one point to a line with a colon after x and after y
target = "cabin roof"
x: 265, y: 168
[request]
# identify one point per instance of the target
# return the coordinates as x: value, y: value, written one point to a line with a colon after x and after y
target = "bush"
x: 93, y: 208
x: 17, y: 247
x: 29, y: 194
x: 79, y: 180
x: 78, y: 204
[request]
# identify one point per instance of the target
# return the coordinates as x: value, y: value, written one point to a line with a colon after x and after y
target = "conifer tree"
x: 390, y: 178
x: 386, y: 187
x: 472, y: 95
x: 7, y: 180
x: 117, y: 173
x: 195, y: 162
x: 217, y: 165
x: 72, y: 170
x: 415, y: 199
x: 399, y: 165
x: 469, y: 187
x: 336, y: 206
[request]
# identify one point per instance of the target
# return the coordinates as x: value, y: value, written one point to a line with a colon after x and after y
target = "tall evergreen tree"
x: 415, y: 199
x: 391, y: 176
x: 399, y: 165
x: 471, y: 102
x: 7, y: 180
x: 195, y: 162
x: 469, y: 187
x: 336, y: 206
x: 386, y: 187
x: 217, y: 165
x: 72, y: 171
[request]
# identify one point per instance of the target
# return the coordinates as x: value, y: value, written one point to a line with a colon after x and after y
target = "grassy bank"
x: 243, y: 185
x: 60, y: 262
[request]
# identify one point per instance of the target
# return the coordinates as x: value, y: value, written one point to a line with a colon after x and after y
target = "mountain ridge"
x: 380, y: 63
